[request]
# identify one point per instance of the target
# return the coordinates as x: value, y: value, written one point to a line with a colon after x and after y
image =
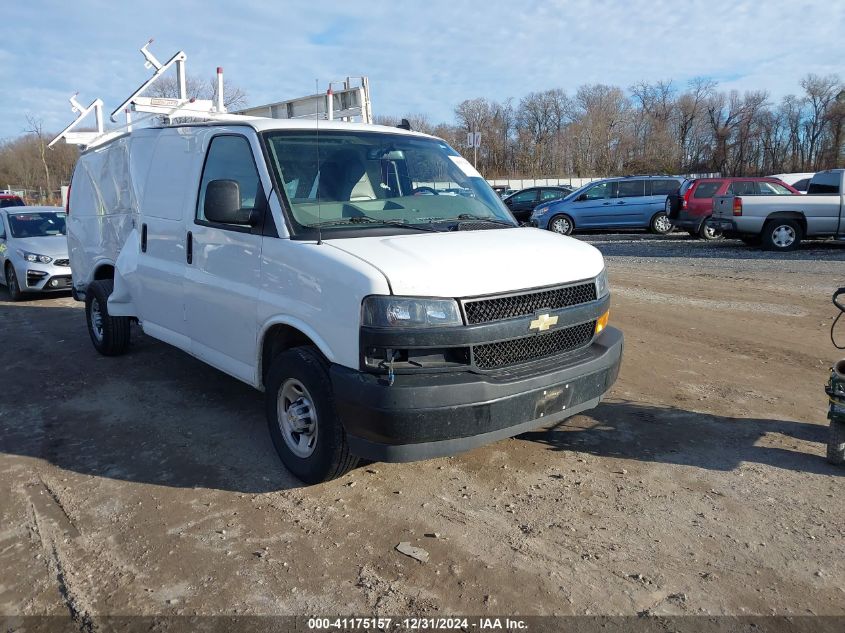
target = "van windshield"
x: 366, y: 180
x: 37, y: 224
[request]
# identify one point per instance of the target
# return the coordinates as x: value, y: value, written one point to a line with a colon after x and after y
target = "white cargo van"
x: 366, y: 278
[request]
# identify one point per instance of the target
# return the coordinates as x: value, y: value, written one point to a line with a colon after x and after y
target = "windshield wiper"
x: 468, y: 216
x: 365, y: 219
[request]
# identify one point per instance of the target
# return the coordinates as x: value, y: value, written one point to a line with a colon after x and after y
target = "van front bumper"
x: 434, y: 414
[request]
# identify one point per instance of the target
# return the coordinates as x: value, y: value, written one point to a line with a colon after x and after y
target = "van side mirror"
x: 581, y: 198
x: 223, y: 204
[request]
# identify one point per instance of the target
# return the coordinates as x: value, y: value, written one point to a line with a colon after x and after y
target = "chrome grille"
x: 521, y: 350
x: 62, y: 262
x: 511, y: 306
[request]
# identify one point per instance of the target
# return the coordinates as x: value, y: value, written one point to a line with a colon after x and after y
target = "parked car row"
x: 780, y: 222
x: 691, y: 206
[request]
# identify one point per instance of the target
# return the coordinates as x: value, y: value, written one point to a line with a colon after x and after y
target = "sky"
x: 421, y: 57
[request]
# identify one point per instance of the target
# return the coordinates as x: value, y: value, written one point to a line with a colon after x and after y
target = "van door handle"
x: 621, y: 202
x: 190, y: 247
x: 605, y: 203
x: 143, y: 238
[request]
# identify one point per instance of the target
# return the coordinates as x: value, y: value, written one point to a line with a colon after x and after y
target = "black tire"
x: 111, y: 338
x: 561, y: 224
x: 750, y: 240
x: 660, y: 224
x: 781, y: 235
x: 836, y: 443
x: 329, y: 455
x: 13, y: 286
x: 708, y: 234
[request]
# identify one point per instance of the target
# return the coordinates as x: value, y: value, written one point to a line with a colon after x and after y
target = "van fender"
x: 293, y: 322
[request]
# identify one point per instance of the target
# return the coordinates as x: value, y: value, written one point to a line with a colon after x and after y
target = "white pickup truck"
x: 779, y: 223
x: 333, y: 266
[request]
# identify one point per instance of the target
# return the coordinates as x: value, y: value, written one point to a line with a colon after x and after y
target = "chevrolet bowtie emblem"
x: 543, y: 322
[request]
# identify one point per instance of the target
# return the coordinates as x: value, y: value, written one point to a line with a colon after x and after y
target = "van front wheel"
x: 561, y: 224
x: 301, y: 416
x: 110, y: 335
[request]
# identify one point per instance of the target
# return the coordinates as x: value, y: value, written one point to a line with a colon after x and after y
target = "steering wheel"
x: 424, y: 191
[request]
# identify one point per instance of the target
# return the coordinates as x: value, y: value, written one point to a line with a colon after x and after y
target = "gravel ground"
x: 147, y: 484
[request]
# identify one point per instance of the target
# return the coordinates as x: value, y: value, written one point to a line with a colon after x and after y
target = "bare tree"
x: 36, y: 129
x: 821, y: 92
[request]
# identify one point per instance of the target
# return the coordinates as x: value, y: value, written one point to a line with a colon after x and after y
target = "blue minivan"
x: 631, y: 202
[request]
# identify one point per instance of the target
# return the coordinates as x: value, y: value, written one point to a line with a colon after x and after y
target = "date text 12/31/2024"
x: 416, y: 624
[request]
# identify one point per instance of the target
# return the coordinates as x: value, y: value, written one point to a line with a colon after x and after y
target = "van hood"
x: 471, y: 263
x: 54, y: 246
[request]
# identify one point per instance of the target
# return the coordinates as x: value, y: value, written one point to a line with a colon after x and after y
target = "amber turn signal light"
x: 602, y: 322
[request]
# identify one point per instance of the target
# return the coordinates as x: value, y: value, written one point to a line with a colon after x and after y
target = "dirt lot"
x: 147, y: 484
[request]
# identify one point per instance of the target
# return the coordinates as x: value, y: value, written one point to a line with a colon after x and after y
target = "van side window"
x: 597, y: 192
x: 2, y: 229
x: 663, y: 187
x: 230, y: 158
x: 630, y: 189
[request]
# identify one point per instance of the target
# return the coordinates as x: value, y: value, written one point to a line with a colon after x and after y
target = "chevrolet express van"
x: 331, y: 266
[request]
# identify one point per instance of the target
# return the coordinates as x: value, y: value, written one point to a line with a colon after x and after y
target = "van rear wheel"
x: 304, y: 426
x: 110, y: 335
x: 660, y: 224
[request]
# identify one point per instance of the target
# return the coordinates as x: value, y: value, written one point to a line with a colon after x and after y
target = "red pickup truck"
x: 692, y: 204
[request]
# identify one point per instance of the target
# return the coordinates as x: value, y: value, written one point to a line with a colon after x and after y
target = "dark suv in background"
x: 692, y: 204
x: 523, y: 202
x: 10, y: 200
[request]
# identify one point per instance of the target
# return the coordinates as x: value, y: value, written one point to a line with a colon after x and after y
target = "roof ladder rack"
x: 82, y: 138
x: 181, y: 106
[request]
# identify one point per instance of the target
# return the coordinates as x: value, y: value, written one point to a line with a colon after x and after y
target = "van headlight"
x: 601, y: 284
x: 388, y: 311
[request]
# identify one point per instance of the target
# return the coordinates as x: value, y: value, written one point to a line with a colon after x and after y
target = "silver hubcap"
x: 561, y: 225
x: 783, y: 236
x: 662, y: 223
x: 96, y: 320
x: 297, y: 418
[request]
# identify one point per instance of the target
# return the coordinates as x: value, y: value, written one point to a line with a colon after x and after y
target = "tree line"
x: 655, y: 127
x: 598, y: 130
